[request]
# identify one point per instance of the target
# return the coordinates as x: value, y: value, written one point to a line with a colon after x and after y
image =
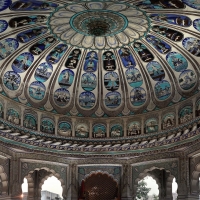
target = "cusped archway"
x: 99, y: 186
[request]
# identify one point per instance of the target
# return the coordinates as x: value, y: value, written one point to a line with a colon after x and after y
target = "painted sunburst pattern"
x: 99, y: 59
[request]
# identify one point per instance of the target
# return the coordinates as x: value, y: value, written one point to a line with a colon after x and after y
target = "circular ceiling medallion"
x: 97, y: 25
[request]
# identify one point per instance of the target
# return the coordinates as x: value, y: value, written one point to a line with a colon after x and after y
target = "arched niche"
x: 3, y: 181
x: 30, y: 119
x: 47, y: 125
x: 36, y: 179
x: 151, y: 125
x: 99, y: 130
x: 168, y: 120
x: 134, y: 128
x: 165, y: 188
x: 185, y: 114
x: 99, y: 184
x: 82, y: 129
x: 13, y: 115
x: 64, y: 127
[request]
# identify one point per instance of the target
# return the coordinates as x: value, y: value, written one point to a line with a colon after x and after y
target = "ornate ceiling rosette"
x: 98, y: 25
x: 101, y: 60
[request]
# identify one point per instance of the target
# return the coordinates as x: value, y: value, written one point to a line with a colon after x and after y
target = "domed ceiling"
x: 99, y: 59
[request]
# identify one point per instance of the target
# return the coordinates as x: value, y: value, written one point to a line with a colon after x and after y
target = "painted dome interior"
x: 99, y: 70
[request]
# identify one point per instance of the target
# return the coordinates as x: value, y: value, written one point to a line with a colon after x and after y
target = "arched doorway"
x: 51, y: 189
x: 25, y: 189
x: 99, y: 186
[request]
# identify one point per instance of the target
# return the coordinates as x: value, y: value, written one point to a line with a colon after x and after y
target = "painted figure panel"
x: 143, y: 52
x: 109, y: 61
x: 134, y: 77
x: 7, y: 47
x: 163, y: 90
x: 88, y: 81
x: 3, y: 25
x: 169, y: 33
x: 177, y: 61
x: 111, y: 81
x: 1, y: 110
x: 64, y: 129
x: 87, y: 100
x: 179, y: 20
x: 168, y: 121
x: 158, y: 44
x: 32, y: 5
x: 43, y: 44
x: 82, y: 130
x: 151, y: 125
x: 196, y: 24
x: 43, y: 72
x: 47, y: 126
x: 37, y: 90
x: 91, y: 62
x: 61, y: 97
x: 13, y: 116
x: 27, y: 20
x: 161, y: 4
x: 127, y: 58
x: 113, y: 99
x: 185, y: 114
x: 11, y: 80
x: 4, y: 4
x: 198, y: 108
x: 116, y: 131
x: 31, y: 34
x: 192, y: 45
x: 193, y: 3
x: 138, y: 96
x: 30, y: 122
x: 99, y: 131
x: 66, y: 78
x: 73, y: 59
x: 22, y: 62
x: 187, y: 79
x: 55, y: 55
x: 134, y: 128
x: 156, y: 71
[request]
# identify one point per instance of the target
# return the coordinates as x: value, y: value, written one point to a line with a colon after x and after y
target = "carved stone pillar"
x: 74, y: 182
x: 22, y: 116
x: 56, y: 125
x: 15, y: 185
x: 39, y: 121
x: 90, y: 128
x: 73, y: 127
x: 125, y: 127
x: 142, y: 126
x: 159, y: 122
x: 107, y: 128
x: 126, y: 190
x: 177, y: 115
